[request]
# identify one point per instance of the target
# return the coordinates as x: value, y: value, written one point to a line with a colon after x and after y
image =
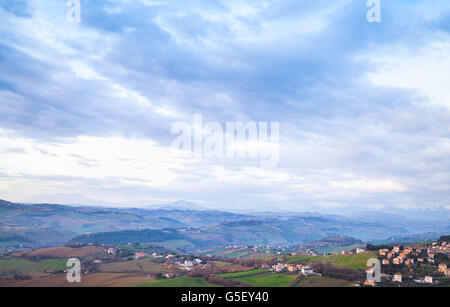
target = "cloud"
x: 86, y: 109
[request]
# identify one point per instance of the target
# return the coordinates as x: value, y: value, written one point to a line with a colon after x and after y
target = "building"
x: 390, y: 255
x: 307, y: 270
x: 396, y: 249
x: 344, y: 252
x: 409, y: 261
x: 428, y: 279
x: 443, y: 268
x: 140, y: 255
x: 385, y: 261
x: 291, y: 268
x: 398, y: 260
x: 397, y: 278
x: 188, y: 263
x: 360, y: 250
x: 279, y: 267
x: 370, y: 283
x: 111, y: 250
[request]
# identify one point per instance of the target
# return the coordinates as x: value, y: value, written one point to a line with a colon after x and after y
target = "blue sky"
x: 86, y: 108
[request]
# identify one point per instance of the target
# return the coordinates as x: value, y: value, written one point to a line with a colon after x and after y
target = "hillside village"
x: 414, y: 265
x: 424, y: 264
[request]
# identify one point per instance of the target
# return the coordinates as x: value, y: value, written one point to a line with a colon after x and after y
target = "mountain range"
x: 177, y: 225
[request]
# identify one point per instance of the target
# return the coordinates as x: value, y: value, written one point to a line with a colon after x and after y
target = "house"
x: 307, y: 270
x: 291, y: 268
x: 409, y: 261
x: 344, y: 252
x: 443, y: 268
x: 299, y: 266
x: 140, y: 255
x: 397, y: 278
x: 188, y: 263
x: 428, y: 279
x: 198, y: 261
x: 396, y: 249
x: 391, y: 255
x: 360, y: 250
x: 111, y: 250
x: 169, y: 275
x: 420, y: 259
x: 398, y: 260
x: 370, y: 283
x: 279, y: 267
x: 385, y: 261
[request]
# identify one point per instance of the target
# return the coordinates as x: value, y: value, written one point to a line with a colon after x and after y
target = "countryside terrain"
x: 177, y: 246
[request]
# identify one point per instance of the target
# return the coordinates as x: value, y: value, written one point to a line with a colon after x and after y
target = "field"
x: 182, y: 281
x: 63, y: 252
x: 23, y: 266
x: 92, y: 280
x: 237, y: 274
x: 143, y: 265
x: 319, y: 281
x: 267, y: 280
x: 354, y: 261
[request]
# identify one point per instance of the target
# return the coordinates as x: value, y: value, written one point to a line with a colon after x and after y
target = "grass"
x: 221, y: 263
x: 142, y: 265
x: 319, y: 281
x: 354, y: 261
x: 244, y: 273
x: 182, y: 281
x: 267, y: 280
x: 17, y: 265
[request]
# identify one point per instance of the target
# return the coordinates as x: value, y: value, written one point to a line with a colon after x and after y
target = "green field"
x: 244, y: 273
x: 143, y: 265
x: 182, y: 281
x: 354, y: 261
x: 267, y: 280
x: 319, y: 281
x: 23, y: 266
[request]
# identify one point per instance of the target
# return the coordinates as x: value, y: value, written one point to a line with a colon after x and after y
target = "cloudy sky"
x: 86, y: 109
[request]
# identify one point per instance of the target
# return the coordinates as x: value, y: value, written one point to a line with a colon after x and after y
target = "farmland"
x: 244, y: 273
x: 144, y: 265
x: 92, y: 280
x: 18, y: 265
x: 63, y: 252
x: 354, y: 261
x: 182, y: 281
x: 319, y: 281
x: 267, y: 280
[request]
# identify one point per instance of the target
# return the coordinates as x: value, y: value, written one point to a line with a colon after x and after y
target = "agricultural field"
x: 24, y: 266
x: 143, y: 265
x: 320, y: 281
x: 354, y: 261
x: 62, y: 252
x: 182, y: 281
x: 238, y: 274
x: 267, y: 280
x: 91, y: 280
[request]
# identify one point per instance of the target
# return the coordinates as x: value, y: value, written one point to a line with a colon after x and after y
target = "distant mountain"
x: 177, y: 205
x: 52, y: 224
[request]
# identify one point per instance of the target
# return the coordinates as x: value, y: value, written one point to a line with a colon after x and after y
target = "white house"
x: 397, y: 278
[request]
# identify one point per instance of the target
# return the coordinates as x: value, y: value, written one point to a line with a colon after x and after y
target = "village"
x: 413, y: 265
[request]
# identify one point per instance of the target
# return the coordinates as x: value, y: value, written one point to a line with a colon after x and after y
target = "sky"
x: 87, y: 108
